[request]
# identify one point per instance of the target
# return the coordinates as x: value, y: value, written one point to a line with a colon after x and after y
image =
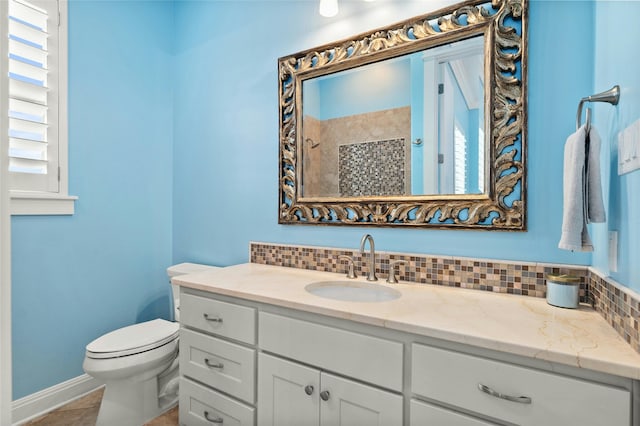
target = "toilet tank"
x: 183, y: 269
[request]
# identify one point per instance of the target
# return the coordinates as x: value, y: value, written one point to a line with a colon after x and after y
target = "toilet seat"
x: 133, y: 339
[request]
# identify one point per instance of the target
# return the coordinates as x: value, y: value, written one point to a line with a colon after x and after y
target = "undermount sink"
x: 352, y: 291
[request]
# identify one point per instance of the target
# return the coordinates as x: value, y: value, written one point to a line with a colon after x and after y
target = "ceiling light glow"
x: 328, y: 8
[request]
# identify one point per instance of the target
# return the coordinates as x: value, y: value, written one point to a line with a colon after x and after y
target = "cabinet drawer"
x: 202, y: 406
x: 423, y: 414
x: 366, y: 358
x: 454, y: 378
x: 221, y: 318
x: 231, y: 367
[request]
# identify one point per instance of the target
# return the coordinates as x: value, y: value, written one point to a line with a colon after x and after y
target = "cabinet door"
x: 287, y: 393
x: 352, y: 404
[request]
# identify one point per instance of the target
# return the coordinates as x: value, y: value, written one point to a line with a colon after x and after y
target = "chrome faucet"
x: 371, y: 275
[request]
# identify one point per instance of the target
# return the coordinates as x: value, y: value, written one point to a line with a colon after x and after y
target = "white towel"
x: 582, y: 190
x: 595, y: 203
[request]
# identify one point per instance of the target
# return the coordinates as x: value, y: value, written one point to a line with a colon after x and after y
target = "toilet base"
x: 132, y: 404
x: 135, y: 400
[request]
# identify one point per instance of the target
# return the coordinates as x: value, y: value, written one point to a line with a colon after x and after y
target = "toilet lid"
x: 133, y: 339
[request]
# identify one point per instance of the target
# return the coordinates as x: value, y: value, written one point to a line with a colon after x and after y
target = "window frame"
x: 52, y: 203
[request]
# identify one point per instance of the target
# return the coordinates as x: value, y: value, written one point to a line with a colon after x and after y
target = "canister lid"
x: 564, y: 278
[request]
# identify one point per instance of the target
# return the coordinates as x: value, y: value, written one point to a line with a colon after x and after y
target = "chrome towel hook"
x: 611, y: 96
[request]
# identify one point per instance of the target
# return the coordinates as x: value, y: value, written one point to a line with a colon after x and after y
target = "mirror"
x: 411, y: 125
x: 421, y: 123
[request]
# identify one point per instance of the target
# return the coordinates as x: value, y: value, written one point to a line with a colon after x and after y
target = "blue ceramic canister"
x: 563, y: 290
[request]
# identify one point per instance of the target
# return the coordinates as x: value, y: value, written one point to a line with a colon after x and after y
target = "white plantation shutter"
x: 481, y: 166
x: 33, y: 95
x: 459, y: 160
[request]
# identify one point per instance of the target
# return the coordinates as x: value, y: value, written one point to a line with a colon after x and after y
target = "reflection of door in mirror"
x: 454, y: 119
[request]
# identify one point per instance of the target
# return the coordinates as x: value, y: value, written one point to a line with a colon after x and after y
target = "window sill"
x: 30, y: 203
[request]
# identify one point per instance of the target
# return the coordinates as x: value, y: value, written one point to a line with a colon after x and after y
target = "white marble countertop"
x: 519, y: 325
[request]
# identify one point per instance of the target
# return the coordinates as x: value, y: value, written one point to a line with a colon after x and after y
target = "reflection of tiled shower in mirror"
x: 372, y: 168
x: 323, y: 139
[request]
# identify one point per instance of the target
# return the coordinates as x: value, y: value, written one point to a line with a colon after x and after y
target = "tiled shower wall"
x: 320, y: 155
x: 619, y: 306
x: 372, y: 168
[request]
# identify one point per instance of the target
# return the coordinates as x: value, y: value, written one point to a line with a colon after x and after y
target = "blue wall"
x: 77, y: 277
x: 312, y: 98
x: 226, y: 135
x: 616, y: 63
x: 382, y: 86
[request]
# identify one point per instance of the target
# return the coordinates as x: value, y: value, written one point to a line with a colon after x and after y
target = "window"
x: 459, y: 160
x: 37, y: 106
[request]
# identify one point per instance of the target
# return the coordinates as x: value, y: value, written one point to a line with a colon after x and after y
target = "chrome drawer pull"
x: 217, y: 420
x: 308, y: 389
x: 212, y: 319
x: 324, y: 395
x: 518, y: 399
x: 218, y: 365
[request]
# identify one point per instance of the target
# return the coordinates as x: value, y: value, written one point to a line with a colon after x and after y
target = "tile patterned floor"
x: 84, y: 411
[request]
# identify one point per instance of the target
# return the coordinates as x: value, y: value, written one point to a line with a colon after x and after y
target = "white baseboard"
x: 42, y: 402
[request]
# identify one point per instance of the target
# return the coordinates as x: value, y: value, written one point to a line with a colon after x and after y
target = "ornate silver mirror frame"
x: 503, y: 23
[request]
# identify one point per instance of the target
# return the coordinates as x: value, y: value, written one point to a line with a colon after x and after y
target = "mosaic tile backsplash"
x: 619, y: 306
x: 522, y: 278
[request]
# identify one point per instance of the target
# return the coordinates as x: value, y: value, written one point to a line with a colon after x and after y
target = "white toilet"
x: 139, y: 365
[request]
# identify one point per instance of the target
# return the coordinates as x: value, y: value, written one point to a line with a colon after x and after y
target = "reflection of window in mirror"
x: 459, y: 159
x: 481, y: 151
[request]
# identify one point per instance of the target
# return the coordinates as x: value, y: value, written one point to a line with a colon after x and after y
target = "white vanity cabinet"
x: 296, y: 395
x: 245, y: 362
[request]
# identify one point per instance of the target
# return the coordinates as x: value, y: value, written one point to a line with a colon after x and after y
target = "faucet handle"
x: 351, y: 271
x: 392, y: 279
